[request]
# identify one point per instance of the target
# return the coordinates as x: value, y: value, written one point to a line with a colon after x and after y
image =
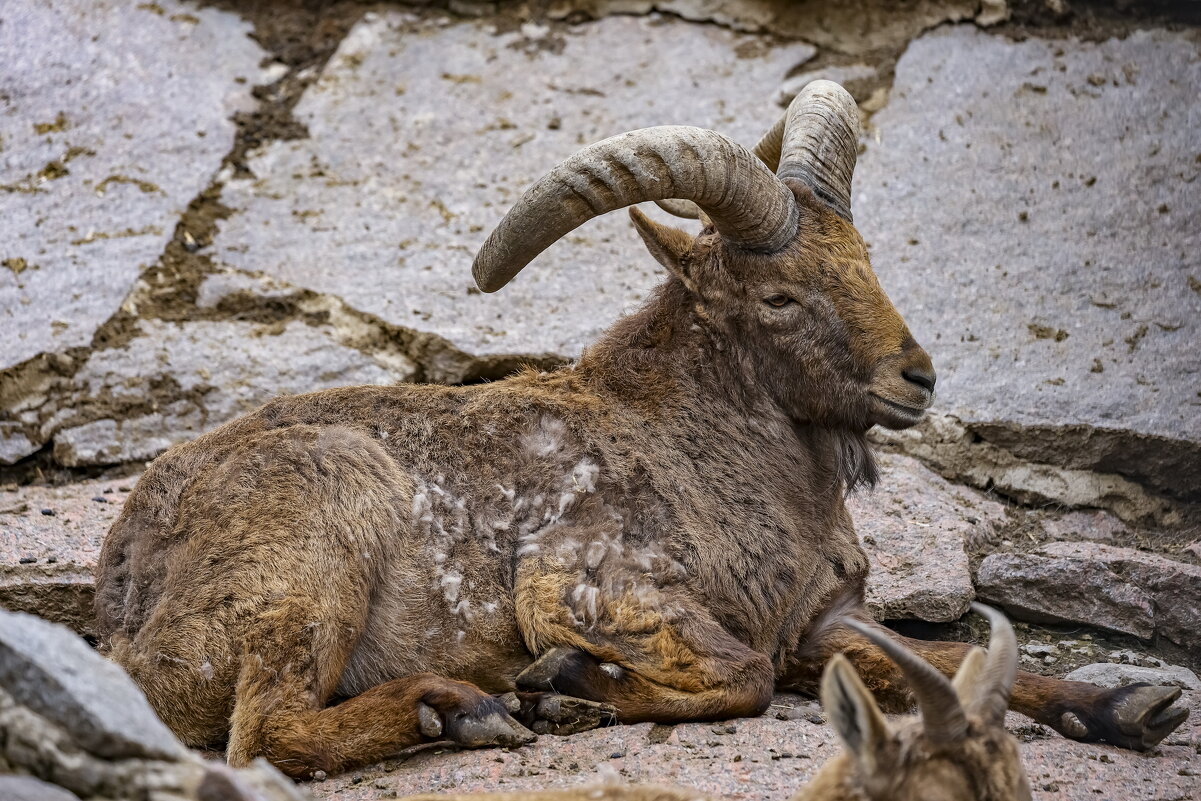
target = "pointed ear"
x: 668, y: 245
x: 855, y: 716
x: 967, y: 679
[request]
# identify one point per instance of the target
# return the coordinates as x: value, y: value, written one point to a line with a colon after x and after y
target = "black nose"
x: 923, y: 378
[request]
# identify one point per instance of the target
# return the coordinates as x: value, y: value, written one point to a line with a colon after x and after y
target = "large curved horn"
x: 748, y: 205
x: 991, y: 698
x: 768, y: 151
x: 821, y: 142
x: 769, y: 145
x: 942, y: 714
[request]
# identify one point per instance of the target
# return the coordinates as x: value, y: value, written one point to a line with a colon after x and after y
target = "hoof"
x: 1137, y: 717
x: 551, y: 669
x: 552, y: 713
x: 480, y: 722
x: 571, y: 672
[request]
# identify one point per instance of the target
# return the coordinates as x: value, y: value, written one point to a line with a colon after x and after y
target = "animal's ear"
x: 855, y: 716
x: 668, y: 245
x: 968, y: 678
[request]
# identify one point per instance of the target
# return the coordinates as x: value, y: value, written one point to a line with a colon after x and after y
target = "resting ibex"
x: 657, y: 529
x: 958, y: 750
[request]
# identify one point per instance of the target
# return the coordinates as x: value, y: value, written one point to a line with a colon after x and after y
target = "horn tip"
x: 486, y: 280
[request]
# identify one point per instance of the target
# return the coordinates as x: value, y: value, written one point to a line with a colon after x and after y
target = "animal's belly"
x: 422, y: 623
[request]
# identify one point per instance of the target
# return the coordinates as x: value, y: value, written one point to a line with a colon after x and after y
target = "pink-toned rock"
x: 1101, y: 585
x: 913, y: 527
x: 48, y: 561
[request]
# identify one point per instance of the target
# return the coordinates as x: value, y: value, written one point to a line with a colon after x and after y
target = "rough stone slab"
x: 854, y: 26
x: 1101, y: 585
x: 776, y: 758
x: 914, y: 527
x: 114, y: 116
x: 58, y: 584
x: 1107, y: 674
x: 1031, y: 208
x: 54, y: 673
x: 424, y: 132
x: 27, y: 788
x: 174, y: 381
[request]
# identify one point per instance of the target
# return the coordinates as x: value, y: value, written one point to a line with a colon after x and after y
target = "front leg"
x: 654, y: 654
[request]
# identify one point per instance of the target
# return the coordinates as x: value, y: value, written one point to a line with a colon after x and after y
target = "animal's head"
x: 779, y: 270
x: 958, y: 750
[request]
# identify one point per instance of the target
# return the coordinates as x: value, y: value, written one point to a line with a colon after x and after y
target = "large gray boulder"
x: 1031, y: 207
x: 1121, y: 589
x: 423, y: 133
x: 115, y: 116
x: 55, y: 675
x: 70, y: 718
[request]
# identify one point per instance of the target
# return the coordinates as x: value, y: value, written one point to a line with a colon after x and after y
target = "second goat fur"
x: 655, y: 533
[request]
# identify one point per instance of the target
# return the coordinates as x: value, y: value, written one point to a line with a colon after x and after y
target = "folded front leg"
x: 654, y: 656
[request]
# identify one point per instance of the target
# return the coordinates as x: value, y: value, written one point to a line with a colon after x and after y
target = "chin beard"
x: 855, y: 463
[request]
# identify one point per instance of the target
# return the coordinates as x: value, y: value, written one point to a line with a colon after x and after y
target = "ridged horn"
x: 942, y: 715
x: 821, y: 142
x: 768, y: 151
x: 748, y: 205
x: 769, y: 145
x: 991, y: 699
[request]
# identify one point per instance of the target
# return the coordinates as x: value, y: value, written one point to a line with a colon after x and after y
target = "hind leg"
x: 1136, y: 717
x: 266, y: 597
x: 286, y: 679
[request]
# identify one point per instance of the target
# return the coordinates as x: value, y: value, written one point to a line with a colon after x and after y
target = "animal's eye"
x: 777, y: 300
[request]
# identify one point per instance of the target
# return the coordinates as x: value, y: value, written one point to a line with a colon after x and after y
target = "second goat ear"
x: 668, y: 245
x: 853, y: 712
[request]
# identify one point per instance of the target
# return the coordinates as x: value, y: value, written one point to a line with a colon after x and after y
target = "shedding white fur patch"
x: 612, y: 671
x: 450, y: 586
x: 584, y: 475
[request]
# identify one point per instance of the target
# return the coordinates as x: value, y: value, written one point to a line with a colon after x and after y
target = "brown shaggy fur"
x: 656, y: 528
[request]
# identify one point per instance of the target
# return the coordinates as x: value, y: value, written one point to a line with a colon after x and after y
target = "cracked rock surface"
x: 914, y: 527
x: 1029, y: 206
x: 1030, y: 202
x: 423, y: 133
x: 114, y: 116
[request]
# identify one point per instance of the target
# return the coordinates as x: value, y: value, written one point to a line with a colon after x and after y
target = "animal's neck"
x: 665, y: 359
x: 666, y: 353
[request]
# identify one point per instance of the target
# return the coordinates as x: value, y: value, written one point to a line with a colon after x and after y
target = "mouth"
x: 897, y: 415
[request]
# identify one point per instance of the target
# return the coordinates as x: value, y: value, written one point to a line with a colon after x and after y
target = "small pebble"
x: 100, y: 499
x: 48, y: 512
x: 318, y: 775
x: 50, y: 560
x: 108, y: 490
x: 27, y: 560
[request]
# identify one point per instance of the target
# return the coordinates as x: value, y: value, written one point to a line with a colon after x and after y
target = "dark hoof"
x: 568, y: 671
x: 483, y: 723
x: 1135, y: 717
x: 554, y: 666
x: 551, y: 713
